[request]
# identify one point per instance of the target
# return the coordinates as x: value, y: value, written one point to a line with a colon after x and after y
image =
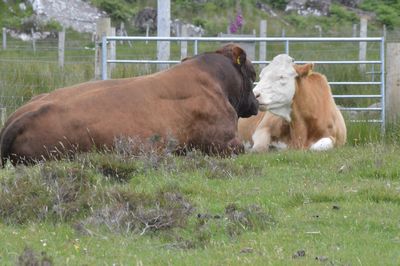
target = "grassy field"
x: 284, y: 208
x: 340, y: 207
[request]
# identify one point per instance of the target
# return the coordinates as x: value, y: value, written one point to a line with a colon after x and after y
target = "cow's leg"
x: 261, y: 140
x: 323, y: 144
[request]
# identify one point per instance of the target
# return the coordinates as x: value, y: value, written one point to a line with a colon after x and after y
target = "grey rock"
x: 309, y: 7
x: 77, y: 14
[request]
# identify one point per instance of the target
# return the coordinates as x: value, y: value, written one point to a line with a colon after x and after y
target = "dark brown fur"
x: 197, y: 103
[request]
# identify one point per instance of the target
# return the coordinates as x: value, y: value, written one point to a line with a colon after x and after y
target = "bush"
x: 342, y: 13
x: 388, y: 16
x: 117, y: 10
x: 279, y: 4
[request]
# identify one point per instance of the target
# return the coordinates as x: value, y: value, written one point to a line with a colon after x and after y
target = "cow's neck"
x: 302, y: 115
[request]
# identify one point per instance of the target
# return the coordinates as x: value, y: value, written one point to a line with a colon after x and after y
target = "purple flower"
x: 239, y: 20
x: 233, y: 28
x: 237, y: 24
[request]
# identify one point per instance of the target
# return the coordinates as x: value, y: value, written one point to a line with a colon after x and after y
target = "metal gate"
x: 287, y: 44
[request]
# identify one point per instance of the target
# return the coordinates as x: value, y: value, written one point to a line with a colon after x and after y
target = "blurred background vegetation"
x: 215, y: 15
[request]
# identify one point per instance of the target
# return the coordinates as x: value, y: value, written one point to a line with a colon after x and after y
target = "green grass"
x: 341, y: 207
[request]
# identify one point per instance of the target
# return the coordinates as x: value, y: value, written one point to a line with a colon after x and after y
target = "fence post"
x: 3, y: 111
x: 363, y: 45
x: 393, y: 83
x: 102, y: 28
x: 163, y: 30
x: 263, y: 45
x: 121, y: 30
x: 354, y: 33
x: 33, y: 40
x: 384, y: 31
x: 184, y: 44
x: 4, y: 38
x: 61, y: 47
x: 112, y: 48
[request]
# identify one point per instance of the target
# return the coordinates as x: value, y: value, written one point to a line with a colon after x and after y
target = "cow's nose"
x: 257, y: 94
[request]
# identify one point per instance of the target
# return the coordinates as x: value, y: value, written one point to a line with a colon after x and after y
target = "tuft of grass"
x: 252, y: 218
x: 127, y: 211
x: 30, y: 257
x: 114, y: 166
x: 52, y: 192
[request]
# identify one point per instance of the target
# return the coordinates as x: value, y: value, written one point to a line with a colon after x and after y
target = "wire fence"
x: 25, y: 72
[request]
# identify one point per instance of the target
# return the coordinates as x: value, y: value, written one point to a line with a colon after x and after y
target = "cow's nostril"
x: 257, y: 94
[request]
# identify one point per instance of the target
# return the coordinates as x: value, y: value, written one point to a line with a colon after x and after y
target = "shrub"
x: 341, y: 13
x: 117, y: 10
x: 388, y: 16
x: 52, y: 192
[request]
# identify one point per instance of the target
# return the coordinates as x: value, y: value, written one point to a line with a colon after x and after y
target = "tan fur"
x: 314, y: 116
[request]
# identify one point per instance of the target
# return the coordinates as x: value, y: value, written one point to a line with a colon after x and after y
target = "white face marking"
x: 276, y: 87
x: 322, y: 145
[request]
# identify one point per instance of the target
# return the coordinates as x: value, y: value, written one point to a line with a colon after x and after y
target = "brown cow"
x: 311, y: 120
x: 197, y: 103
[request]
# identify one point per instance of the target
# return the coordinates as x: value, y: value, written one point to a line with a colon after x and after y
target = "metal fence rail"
x: 286, y: 41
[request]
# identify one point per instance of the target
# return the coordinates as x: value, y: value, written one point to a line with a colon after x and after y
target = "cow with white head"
x: 276, y: 87
x: 297, y: 110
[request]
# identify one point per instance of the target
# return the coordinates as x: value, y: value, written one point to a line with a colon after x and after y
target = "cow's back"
x: 196, y: 103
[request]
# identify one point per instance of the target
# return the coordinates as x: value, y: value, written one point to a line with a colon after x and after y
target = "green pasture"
x: 340, y: 207
x: 282, y: 208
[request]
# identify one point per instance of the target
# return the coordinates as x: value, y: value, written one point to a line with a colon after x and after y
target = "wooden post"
x: 384, y: 31
x: 3, y: 115
x: 354, y: 34
x: 4, y: 38
x: 263, y: 45
x: 163, y: 30
x: 102, y: 28
x: 184, y: 45
x: 319, y: 29
x: 147, y: 23
x: 61, y: 48
x: 363, y: 45
x: 113, y: 52
x: 33, y: 41
x: 121, y: 31
x: 393, y: 83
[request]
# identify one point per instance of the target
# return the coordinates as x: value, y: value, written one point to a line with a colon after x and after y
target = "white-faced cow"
x: 197, y: 103
x: 297, y: 110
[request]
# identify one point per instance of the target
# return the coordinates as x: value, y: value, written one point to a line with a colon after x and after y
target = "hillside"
x: 292, y: 18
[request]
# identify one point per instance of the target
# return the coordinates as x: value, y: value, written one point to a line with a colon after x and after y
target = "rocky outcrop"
x: 309, y: 7
x: 77, y: 14
x: 148, y: 18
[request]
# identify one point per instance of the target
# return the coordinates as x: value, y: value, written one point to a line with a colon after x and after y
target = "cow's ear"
x: 304, y: 70
x: 239, y: 56
x: 235, y: 53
